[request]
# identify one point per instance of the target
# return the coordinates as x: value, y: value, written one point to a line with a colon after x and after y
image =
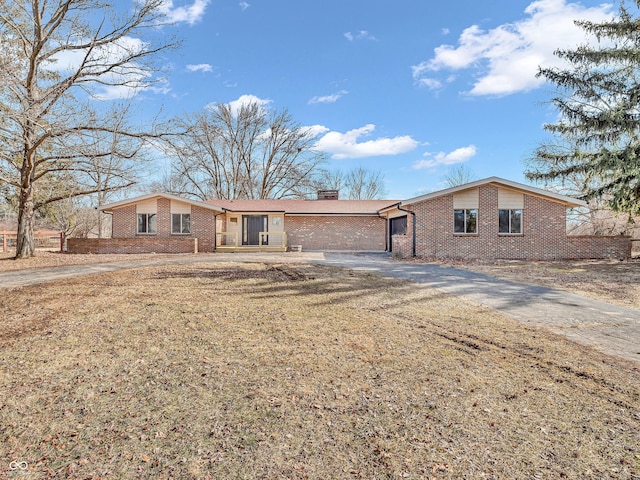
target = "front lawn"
x: 255, y: 371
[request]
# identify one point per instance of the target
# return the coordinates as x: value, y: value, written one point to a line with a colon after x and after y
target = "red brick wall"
x: 591, y: 246
x: 543, y: 237
x: 124, y: 222
x: 402, y: 246
x: 163, y: 218
x: 132, y: 245
x: 348, y: 233
x: 203, y: 228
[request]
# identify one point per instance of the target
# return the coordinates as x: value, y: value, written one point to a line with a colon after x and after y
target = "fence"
x: 44, y: 239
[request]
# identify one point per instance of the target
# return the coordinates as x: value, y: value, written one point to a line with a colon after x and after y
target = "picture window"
x: 180, y: 223
x: 510, y: 221
x: 465, y: 220
x: 147, y: 223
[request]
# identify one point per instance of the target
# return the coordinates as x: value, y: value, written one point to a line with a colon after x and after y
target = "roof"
x: 110, y: 206
x: 568, y: 201
x: 307, y: 207
x: 341, y: 207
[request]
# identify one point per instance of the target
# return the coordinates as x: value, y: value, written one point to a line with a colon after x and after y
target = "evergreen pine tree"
x: 598, y: 101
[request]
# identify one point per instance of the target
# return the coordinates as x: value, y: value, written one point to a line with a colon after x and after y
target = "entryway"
x: 252, y: 225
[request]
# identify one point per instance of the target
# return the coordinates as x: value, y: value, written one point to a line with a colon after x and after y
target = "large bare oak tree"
x: 248, y: 152
x: 59, y: 56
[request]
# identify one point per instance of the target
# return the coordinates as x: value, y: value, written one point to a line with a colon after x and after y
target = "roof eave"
x: 108, y: 208
x: 570, y: 202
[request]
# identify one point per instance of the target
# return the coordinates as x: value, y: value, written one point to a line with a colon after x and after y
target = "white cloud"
x: 244, y: 5
x: 346, y: 145
x: 315, y: 130
x: 243, y: 101
x: 334, y: 97
x: 361, y: 35
x: 459, y: 155
x: 200, y: 67
x: 190, y: 14
x: 430, y: 83
x: 507, y: 57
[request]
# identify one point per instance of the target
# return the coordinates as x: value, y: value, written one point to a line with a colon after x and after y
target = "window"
x: 465, y: 220
x: 510, y: 221
x: 146, y: 223
x: 180, y: 223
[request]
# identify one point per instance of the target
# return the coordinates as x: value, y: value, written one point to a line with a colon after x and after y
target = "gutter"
x: 413, y: 224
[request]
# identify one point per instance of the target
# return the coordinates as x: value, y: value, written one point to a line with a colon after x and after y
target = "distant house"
x: 487, y: 219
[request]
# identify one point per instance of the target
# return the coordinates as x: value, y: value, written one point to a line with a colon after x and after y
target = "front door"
x: 252, y: 225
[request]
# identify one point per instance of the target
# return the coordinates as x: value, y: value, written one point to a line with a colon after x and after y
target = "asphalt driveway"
x: 609, y: 328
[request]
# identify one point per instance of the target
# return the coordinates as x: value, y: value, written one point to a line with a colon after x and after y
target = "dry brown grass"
x: 613, y: 281
x: 47, y: 259
x: 609, y: 280
x: 284, y: 371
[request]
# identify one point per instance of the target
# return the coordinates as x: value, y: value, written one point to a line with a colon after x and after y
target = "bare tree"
x: 73, y: 217
x: 248, y: 153
x: 355, y: 184
x: 113, y: 161
x: 44, y: 98
x: 459, y: 176
x: 363, y: 184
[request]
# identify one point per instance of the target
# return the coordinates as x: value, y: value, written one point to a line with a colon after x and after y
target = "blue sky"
x: 407, y: 87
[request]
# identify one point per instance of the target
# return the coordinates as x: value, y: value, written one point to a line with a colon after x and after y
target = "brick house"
x: 487, y: 219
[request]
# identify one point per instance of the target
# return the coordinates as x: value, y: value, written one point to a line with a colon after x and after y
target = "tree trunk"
x: 100, y: 224
x: 25, y: 240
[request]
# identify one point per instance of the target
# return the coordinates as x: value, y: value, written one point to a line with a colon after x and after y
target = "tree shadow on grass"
x: 326, y: 284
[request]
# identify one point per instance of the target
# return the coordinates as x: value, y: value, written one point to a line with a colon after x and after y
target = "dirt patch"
x: 298, y: 371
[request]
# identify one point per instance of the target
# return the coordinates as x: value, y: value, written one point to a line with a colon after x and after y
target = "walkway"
x: 612, y: 329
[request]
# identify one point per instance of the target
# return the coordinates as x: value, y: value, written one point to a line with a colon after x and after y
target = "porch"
x: 265, y: 242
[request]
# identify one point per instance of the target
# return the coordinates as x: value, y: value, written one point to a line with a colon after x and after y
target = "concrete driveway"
x: 609, y: 328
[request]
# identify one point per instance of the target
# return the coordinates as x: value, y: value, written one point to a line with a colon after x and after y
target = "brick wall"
x: 543, y: 235
x: 591, y: 246
x: 132, y: 245
x: 124, y: 222
x: 125, y: 225
x: 402, y: 246
x: 203, y: 228
x: 163, y: 218
x: 348, y: 233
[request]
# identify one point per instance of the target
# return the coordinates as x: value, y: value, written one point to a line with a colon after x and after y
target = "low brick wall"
x: 132, y: 245
x: 402, y: 246
x: 594, y: 246
x: 568, y: 248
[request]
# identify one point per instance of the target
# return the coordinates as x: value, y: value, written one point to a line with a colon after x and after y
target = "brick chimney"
x: 328, y: 194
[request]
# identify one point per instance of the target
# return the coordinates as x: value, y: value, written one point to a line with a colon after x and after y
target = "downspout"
x: 413, y: 224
